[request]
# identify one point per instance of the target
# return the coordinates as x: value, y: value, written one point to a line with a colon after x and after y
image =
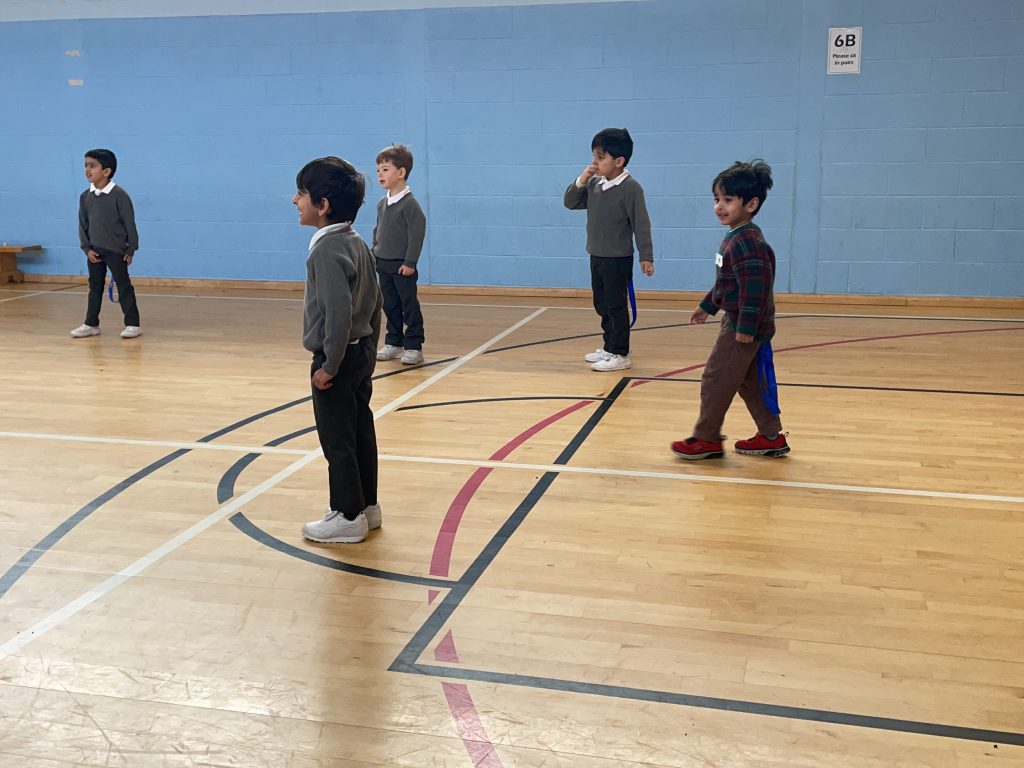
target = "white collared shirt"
x: 340, y: 227
x: 105, y: 191
x: 606, y: 184
x: 392, y: 199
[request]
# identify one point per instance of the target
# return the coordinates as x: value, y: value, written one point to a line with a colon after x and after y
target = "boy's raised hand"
x: 698, y: 316
x: 589, y: 171
x: 647, y: 267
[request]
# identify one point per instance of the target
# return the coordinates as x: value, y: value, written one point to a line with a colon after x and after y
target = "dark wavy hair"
x: 338, y: 181
x: 745, y: 181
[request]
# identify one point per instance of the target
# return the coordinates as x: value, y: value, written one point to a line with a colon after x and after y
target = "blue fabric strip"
x: 632, y: 302
x: 766, y: 378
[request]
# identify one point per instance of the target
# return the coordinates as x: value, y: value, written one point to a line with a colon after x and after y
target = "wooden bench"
x: 9, y: 272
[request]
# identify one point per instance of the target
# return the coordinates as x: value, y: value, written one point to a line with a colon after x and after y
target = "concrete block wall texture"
x: 904, y: 179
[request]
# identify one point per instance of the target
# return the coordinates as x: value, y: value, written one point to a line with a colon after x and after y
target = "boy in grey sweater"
x: 397, y: 241
x: 109, y: 239
x: 341, y: 326
x: 616, y: 215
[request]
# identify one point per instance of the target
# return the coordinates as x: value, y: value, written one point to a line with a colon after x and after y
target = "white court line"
x: 26, y: 295
x: 529, y: 467
x: 562, y: 468
x: 69, y: 610
x: 154, y: 443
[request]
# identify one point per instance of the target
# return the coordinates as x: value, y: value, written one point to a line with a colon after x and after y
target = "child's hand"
x: 92, y: 256
x: 128, y: 258
x: 647, y: 267
x: 404, y: 270
x: 322, y: 379
x: 744, y: 338
x: 589, y: 171
x: 698, y: 316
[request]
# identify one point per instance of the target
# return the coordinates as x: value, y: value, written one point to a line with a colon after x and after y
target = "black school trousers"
x: 125, y: 290
x: 609, y: 279
x: 344, y: 424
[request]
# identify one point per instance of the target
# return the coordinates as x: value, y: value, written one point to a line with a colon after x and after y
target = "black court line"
x: 725, y: 705
x: 423, y: 636
x: 408, y: 659
x: 31, y: 557
x: 246, y: 526
x: 27, y: 560
x: 498, y: 400
x: 854, y: 387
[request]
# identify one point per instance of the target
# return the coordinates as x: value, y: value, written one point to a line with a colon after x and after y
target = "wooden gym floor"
x: 551, y: 588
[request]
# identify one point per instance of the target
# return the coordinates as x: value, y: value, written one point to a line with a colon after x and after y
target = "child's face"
x: 608, y: 166
x: 390, y: 176
x: 731, y: 210
x: 309, y: 214
x: 95, y: 173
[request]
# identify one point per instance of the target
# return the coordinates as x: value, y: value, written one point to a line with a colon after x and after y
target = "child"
x: 616, y: 214
x: 107, y: 234
x: 744, y: 275
x: 341, y: 325
x: 397, y: 240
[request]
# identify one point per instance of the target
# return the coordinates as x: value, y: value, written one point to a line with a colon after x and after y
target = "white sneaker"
x: 412, y: 357
x: 613, y: 363
x: 389, y: 352
x: 333, y: 528
x: 597, y: 355
x: 85, y: 330
x: 373, y: 516
x: 131, y: 331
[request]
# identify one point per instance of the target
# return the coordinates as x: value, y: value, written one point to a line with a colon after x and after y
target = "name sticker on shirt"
x: 719, y: 260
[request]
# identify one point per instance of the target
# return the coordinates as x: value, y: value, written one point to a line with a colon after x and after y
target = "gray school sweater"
x: 614, y: 217
x: 342, y: 302
x: 400, y: 231
x: 107, y: 222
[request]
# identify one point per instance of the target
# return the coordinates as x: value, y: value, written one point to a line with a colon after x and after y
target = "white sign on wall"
x: 844, y: 50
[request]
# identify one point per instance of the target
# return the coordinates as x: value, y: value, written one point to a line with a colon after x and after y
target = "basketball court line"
x: 485, y: 463
x: 72, y: 608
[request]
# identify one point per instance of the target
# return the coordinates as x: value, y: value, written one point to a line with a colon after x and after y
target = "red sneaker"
x: 692, y: 448
x: 759, y: 445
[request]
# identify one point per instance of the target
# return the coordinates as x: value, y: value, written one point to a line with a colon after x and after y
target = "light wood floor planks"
x: 551, y: 587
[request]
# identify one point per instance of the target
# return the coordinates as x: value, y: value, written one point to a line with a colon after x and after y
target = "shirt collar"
x: 344, y: 226
x: 105, y: 191
x: 606, y: 184
x: 392, y: 199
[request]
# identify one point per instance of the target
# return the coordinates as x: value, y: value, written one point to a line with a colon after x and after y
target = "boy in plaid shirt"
x: 744, y: 275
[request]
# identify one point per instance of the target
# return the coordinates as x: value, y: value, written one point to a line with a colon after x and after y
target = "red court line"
x: 440, y: 561
x: 460, y: 701
x: 471, y: 730
x: 846, y: 341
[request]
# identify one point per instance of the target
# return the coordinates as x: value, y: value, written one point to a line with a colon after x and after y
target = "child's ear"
x: 402, y: 173
x: 324, y: 206
x: 751, y: 205
x: 620, y: 162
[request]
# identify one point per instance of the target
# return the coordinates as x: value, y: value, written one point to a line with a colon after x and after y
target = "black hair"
x: 105, y: 158
x: 338, y: 181
x: 615, y: 141
x: 745, y: 181
x: 399, y: 155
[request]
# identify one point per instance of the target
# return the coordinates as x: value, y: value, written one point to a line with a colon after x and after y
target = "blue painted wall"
x: 905, y: 179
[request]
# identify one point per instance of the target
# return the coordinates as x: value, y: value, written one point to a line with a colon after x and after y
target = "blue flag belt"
x: 766, y: 378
